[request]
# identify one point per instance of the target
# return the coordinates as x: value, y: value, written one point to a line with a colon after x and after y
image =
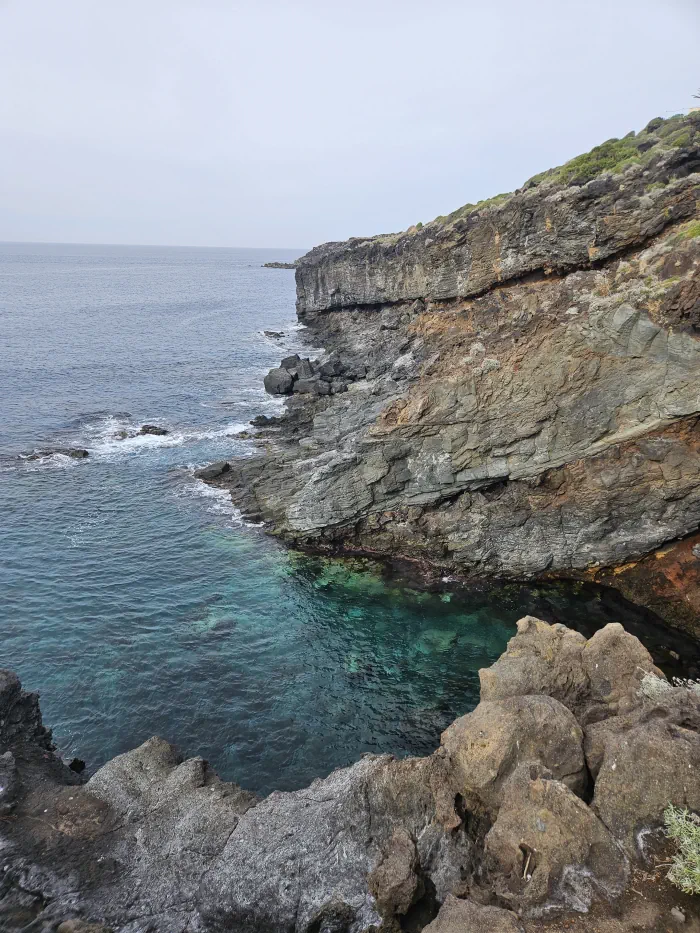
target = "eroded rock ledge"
x: 542, y: 802
x: 511, y: 391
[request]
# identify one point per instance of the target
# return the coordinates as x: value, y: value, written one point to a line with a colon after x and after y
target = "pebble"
x: 678, y: 914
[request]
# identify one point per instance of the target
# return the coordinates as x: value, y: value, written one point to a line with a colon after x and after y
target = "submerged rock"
x: 145, y: 429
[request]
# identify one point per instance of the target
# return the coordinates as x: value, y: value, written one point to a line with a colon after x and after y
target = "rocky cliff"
x: 538, y: 812
x: 511, y: 390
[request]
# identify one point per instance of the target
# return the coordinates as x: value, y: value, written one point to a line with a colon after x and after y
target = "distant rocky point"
x: 279, y: 265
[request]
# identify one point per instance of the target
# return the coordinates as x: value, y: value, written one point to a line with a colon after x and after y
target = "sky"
x: 286, y: 124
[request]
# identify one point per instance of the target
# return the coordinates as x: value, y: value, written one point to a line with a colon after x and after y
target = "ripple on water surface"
x: 135, y: 598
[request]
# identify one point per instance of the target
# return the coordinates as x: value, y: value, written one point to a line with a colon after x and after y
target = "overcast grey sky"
x: 204, y: 122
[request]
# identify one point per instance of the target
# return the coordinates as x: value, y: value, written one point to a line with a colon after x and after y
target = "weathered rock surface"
x: 486, y: 746
x: 155, y: 429
x: 153, y: 843
x: 548, y: 846
x: 590, y: 677
x: 662, y: 737
x: 75, y: 453
x: 213, y: 470
x: 511, y: 391
x: 463, y: 916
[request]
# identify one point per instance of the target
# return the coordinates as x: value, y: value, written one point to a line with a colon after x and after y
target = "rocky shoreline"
x: 510, y: 391
x: 539, y: 811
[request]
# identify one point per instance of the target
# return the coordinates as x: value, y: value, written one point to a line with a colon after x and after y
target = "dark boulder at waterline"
x: 145, y: 429
x: 279, y: 382
x: 213, y: 470
x: 77, y: 453
x: 153, y: 429
x: 502, y: 814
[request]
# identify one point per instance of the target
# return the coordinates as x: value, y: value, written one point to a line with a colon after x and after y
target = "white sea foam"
x: 50, y: 461
x: 215, y: 500
x: 103, y: 439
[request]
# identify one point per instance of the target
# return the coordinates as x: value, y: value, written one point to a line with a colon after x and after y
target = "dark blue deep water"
x: 133, y: 597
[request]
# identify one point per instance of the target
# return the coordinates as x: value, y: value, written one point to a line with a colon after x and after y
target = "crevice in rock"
x: 422, y: 911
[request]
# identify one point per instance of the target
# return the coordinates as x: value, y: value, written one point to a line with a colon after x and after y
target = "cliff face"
x: 512, y: 390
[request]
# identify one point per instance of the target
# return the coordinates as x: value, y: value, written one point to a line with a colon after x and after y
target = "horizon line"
x: 145, y: 245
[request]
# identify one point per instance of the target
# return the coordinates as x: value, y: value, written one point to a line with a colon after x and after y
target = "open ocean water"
x: 133, y: 597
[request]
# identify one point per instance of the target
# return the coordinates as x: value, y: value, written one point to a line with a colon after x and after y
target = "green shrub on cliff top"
x: 613, y: 156
x: 616, y: 155
x: 684, y: 827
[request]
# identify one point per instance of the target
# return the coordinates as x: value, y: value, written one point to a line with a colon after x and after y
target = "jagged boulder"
x: 395, y: 882
x: 644, y: 759
x: 462, y: 916
x: 213, y: 470
x: 20, y: 715
x: 75, y: 453
x: 485, y: 746
x: 154, y: 429
x: 615, y: 663
x: 590, y: 677
x: 279, y: 381
x: 364, y: 842
x: 540, y: 658
x: 548, y: 846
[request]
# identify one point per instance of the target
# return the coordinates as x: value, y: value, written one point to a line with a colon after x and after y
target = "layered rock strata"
x: 541, y: 802
x: 511, y: 391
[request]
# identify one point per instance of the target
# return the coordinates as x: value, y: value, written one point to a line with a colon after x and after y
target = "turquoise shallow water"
x: 133, y: 597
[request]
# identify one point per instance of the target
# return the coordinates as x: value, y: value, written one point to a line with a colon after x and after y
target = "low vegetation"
x: 684, y: 828
x: 613, y: 156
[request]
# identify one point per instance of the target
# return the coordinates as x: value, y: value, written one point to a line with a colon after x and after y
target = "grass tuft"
x: 684, y: 828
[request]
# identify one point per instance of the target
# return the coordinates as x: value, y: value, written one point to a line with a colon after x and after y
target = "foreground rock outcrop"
x: 509, y: 391
x: 542, y: 802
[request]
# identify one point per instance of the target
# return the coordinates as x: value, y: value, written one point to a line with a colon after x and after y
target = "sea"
x: 134, y: 597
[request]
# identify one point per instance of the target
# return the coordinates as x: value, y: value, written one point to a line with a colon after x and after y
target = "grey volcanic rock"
x: 153, y: 429
x: 213, y: 470
x: 521, y: 384
x: 76, y: 453
x: 157, y: 844
x: 20, y: 716
x: 279, y: 382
